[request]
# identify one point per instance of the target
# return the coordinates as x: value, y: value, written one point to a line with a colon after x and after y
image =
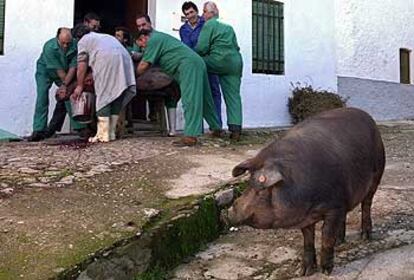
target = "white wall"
x: 309, y: 53
x: 29, y: 24
x: 369, y: 36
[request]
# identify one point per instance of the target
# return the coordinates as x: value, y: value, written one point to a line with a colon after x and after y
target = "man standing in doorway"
x: 57, y: 64
x: 143, y: 22
x: 124, y: 37
x: 218, y: 46
x: 189, y: 33
x: 93, y: 21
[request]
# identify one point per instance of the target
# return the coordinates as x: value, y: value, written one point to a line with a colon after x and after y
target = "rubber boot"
x: 37, y: 136
x: 112, y: 127
x: 235, y: 132
x: 171, y: 121
x: 102, y: 134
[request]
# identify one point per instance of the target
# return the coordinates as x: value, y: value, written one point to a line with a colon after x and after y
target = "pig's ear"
x: 242, y: 168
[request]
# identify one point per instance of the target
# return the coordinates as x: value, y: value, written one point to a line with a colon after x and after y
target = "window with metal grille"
x: 405, y: 66
x: 268, y: 53
x: 2, y: 17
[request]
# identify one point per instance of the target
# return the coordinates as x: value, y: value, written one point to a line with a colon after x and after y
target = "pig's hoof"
x: 327, y: 269
x: 339, y: 241
x: 366, y: 235
x: 308, y: 270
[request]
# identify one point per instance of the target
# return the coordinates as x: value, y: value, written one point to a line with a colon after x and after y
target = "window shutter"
x: 267, y: 37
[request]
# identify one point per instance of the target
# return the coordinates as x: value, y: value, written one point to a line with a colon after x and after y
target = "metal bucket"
x: 83, y: 109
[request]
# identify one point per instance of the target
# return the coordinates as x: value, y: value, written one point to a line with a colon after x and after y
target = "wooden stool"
x: 158, y: 97
x: 145, y: 127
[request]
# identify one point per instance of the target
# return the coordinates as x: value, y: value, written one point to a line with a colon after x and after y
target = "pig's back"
x: 333, y: 158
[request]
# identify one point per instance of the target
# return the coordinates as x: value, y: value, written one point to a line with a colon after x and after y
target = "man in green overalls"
x: 143, y: 21
x: 189, y: 70
x: 218, y: 46
x: 57, y: 64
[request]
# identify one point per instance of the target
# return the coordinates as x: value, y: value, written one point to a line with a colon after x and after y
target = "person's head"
x: 80, y: 30
x: 143, y: 22
x: 64, y: 38
x: 143, y: 37
x: 93, y: 21
x: 210, y: 10
x: 190, y: 11
x: 123, y: 35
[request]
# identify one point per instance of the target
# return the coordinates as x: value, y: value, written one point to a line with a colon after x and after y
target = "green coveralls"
x: 51, y: 60
x: 217, y: 45
x: 189, y: 70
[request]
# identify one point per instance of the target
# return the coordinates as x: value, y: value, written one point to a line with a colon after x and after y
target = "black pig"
x: 321, y: 169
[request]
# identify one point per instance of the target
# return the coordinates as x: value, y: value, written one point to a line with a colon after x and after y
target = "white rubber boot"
x: 171, y: 121
x: 102, y: 134
x: 112, y: 127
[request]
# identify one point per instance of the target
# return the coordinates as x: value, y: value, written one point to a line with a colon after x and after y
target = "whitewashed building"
x: 360, y: 49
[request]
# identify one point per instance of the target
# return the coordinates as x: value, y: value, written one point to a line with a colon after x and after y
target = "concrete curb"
x: 163, y: 243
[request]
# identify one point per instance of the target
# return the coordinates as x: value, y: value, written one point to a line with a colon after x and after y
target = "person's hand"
x: 77, y: 93
x: 62, y: 93
x: 136, y: 56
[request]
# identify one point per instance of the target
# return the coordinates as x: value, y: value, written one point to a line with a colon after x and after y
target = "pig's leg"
x: 309, y: 255
x: 340, y: 237
x: 333, y: 220
x: 366, y: 222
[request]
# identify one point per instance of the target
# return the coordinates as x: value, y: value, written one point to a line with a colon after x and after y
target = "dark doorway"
x: 113, y: 13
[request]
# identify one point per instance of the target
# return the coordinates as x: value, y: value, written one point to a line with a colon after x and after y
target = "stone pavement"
x: 40, y: 165
x: 62, y: 200
x: 246, y: 253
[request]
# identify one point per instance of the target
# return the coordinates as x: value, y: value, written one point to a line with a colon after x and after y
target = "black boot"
x: 85, y: 133
x: 235, y: 132
x: 49, y: 133
x: 36, y: 136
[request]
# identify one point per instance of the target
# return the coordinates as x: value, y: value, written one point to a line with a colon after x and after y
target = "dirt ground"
x: 246, y: 253
x: 61, y: 203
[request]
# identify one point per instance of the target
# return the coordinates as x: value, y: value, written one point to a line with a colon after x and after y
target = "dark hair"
x: 147, y: 18
x: 122, y: 28
x: 188, y: 5
x: 91, y: 16
x: 125, y: 31
x: 143, y: 32
x: 80, y: 30
x: 59, y: 31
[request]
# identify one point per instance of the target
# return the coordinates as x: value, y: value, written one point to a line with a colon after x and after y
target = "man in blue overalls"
x: 189, y: 33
